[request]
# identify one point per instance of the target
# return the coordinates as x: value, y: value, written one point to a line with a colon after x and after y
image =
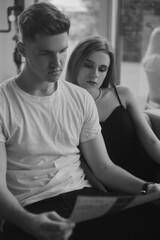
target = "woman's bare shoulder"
x: 124, y: 91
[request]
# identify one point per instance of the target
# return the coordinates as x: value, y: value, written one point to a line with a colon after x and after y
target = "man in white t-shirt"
x: 43, y: 124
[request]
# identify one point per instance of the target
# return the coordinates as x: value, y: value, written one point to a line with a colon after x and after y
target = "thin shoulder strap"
x: 117, y: 95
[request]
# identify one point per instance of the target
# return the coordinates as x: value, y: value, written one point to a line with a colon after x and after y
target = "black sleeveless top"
x: 123, y: 145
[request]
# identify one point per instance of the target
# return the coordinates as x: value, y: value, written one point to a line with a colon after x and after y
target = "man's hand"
x: 49, y: 226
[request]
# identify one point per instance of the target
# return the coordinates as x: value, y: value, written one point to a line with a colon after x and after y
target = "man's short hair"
x: 42, y: 18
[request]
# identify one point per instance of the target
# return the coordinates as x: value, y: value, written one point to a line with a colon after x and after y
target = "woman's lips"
x: 92, y: 83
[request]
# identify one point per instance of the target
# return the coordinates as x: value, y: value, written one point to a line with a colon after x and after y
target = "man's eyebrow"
x: 49, y: 51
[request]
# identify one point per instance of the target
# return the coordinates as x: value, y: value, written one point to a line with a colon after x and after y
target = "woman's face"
x: 93, y: 70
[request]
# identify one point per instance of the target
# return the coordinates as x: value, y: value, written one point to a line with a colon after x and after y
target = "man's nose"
x: 55, y: 60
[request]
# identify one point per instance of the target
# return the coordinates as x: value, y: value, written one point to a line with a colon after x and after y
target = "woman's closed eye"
x: 103, y: 68
x: 88, y: 65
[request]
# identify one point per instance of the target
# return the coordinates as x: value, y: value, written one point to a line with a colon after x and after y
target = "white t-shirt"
x: 42, y: 135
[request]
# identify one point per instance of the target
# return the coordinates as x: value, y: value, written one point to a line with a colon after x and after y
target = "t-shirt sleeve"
x: 91, y: 127
x: 2, y: 135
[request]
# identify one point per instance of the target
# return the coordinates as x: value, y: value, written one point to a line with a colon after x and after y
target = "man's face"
x: 45, y: 57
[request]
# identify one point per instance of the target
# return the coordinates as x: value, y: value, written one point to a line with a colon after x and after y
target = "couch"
x: 153, y: 118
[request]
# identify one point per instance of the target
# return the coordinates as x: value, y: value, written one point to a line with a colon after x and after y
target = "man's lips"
x: 54, y: 72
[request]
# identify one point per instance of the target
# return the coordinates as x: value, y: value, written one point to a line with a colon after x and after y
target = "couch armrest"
x: 154, y: 120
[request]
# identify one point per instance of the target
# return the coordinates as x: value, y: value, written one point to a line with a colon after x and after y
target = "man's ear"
x: 21, y: 48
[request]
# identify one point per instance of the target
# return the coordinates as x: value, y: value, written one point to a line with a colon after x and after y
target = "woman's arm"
x: 144, y: 132
x: 113, y: 177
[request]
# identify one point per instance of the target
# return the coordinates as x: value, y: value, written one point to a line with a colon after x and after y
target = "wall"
x: 7, y: 44
x: 7, y: 66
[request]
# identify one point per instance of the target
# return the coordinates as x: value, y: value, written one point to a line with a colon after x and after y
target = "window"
x: 137, y: 20
x: 84, y: 16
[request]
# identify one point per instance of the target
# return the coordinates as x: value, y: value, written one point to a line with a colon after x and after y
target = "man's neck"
x: 25, y: 83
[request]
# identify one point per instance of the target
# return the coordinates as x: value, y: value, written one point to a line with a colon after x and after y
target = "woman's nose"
x: 95, y: 72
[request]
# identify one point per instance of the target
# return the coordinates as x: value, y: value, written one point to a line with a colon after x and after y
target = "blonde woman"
x: 127, y: 135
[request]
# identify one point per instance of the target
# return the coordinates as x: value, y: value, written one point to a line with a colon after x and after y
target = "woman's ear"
x: 21, y: 48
